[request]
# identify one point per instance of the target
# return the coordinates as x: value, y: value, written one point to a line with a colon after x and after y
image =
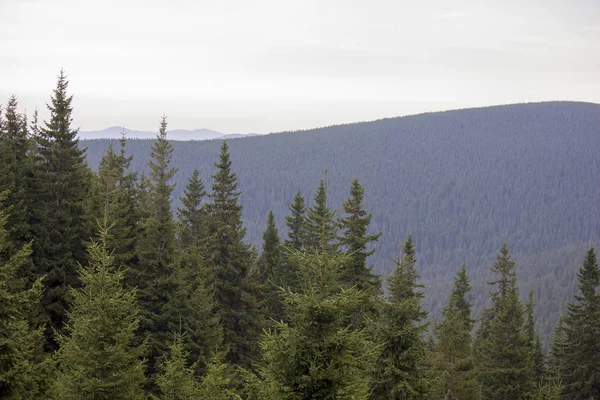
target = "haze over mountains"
x: 115, y: 132
x: 462, y: 182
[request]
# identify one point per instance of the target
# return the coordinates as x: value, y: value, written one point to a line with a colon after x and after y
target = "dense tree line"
x: 461, y: 182
x: 107, y: 293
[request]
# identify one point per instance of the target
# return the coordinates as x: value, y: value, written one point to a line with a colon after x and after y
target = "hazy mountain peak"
x: 115, y: 132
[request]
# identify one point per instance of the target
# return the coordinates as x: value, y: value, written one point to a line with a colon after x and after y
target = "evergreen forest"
x: 439, y: 256
x: 461, y: 182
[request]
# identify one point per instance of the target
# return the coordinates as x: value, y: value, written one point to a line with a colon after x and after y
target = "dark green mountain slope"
x: 461, y: 182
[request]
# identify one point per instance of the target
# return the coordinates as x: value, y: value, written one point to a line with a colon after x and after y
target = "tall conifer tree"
x: 401, y: 369
x: 22, y: 372
x: 98, y: 358
x: 15, y: 172
x: 271, y: 273
x: 230, y: 259
x: 356, y: 240
x: 554, y: 381
x: 534, y: 342
x: 129, y: 214
x: 452, y: 361
x: 192, y: 308
x: 217, y: 383
x: 114, y: 203
x: 577, y: 348
x: 296, y: 223
x: 105, y: 188
x: 59, y: 223
x: 316, y: 355
x: 321, y: 226
x: 155, y: 248
x: 504, y: 362
x: 176, y: 380
x: 192, y: 215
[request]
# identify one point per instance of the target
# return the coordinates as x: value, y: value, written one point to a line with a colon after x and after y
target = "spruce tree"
x: 155, y: 248
x: 504, y: 362
x: 114, y: 205
x: 59, y: 224
x: 192, y: 214
x: 452, y: 362
x: 316, y: 355
x: 230, y: 259
x: 128, y: 204
x: 321, y: 227
x: 97, y: 358
x: 553, y: 381
x: 556, y: 349
x: 400, y: 370
x: 534, y: 342
x: 105, y: 188
x: 15, y: 173
x: 176, y: 381
x: 356, y: 240
x: 23, y: 372
x: 296, y: 223
x: 577, y: 348
x: 271, y: 273
x: 192, y: 309
x: 217, y: 383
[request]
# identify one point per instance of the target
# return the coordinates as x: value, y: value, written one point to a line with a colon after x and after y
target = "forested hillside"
x: 135, y: 279
x: 461, y: 182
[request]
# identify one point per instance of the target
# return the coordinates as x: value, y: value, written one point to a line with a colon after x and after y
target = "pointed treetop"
x: 355, y: 239
x: 505, y: 268
x: 224, y: 188
x: 321, y: 227
x: 409, y: 250
x: 35, y: 127
x: 402, y: 283
x: 15, y: 124
x: 193, y: 194
x: 296, y: 222
x: 162, y: 130
x: 271, y: 221
x: 224, y: 159
x: 177, y: 378
x: 589, y: 275
x: 458, y: 299
x: 126, y: 161
x: 270, y: 259
x: 60, y: 109
x: 161, y: 152
x: 271, y: 234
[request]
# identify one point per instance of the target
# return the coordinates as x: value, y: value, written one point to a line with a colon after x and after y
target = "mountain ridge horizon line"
x: 210, y: 134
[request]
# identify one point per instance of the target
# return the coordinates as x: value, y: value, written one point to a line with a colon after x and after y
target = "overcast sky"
x: 271, y: 65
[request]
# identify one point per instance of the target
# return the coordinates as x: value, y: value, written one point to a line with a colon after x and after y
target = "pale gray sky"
x: 272, y: 65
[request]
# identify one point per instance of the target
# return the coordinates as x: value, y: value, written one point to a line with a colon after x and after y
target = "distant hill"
x: 115, y: 132
x: 462, y: 182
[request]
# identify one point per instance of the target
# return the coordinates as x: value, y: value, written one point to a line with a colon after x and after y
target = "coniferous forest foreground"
x: 105, y: 293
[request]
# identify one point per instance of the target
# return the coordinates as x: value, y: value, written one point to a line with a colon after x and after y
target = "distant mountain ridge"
x: 461, y: 182
x: 116, y: 132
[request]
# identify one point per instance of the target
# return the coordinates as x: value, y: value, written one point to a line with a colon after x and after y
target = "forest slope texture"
x: 462, y: 182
